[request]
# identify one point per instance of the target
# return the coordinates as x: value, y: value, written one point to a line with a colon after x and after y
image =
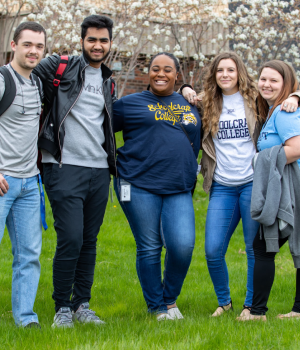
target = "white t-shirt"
x: 233, y: 144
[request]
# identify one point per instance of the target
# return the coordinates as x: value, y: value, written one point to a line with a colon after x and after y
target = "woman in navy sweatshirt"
x: 157, y: 169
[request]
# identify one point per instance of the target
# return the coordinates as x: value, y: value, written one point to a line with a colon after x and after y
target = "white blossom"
x: 178, y: 53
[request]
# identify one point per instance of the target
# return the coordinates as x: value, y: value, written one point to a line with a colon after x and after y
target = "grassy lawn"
x: 117, y: 299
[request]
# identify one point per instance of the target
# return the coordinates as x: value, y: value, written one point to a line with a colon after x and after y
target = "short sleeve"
x: 118, y: 116
x: 2, y: 86
x: 287, y: 124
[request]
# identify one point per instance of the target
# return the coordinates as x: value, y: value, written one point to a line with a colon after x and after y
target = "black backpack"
x: 11, y: 90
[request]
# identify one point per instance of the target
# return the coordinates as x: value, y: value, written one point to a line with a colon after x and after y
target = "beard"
x: 90, y: 59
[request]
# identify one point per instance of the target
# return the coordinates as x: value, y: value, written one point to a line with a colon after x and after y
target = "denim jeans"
x: 20, y: 211
x: 157, y: 221
x: 227, y: 205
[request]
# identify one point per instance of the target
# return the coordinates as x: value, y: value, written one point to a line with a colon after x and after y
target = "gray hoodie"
x: 275, y: 199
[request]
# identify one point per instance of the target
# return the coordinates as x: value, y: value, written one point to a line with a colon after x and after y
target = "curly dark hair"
x: 176, y: 62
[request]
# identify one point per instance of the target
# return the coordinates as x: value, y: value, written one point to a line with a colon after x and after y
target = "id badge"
x: 125, y: 191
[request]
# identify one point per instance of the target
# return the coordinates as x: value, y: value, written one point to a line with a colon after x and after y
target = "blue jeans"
x: 20, y: 211
x: 227, y: 205
x: 157, y: 221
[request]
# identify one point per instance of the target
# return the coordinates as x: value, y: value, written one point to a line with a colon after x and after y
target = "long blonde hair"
x: 212, y: 101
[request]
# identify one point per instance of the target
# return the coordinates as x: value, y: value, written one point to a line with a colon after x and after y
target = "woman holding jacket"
x: 231, y: 128
x: 277, y: 80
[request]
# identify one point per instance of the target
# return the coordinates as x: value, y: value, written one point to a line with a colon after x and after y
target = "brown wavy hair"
x: 290, y: 85
x: 212, y: 101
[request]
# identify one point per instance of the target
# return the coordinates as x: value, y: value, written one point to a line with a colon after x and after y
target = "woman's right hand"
x: 190, y: 95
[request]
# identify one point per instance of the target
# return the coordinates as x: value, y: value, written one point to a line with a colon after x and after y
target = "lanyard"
x: 43, y: 207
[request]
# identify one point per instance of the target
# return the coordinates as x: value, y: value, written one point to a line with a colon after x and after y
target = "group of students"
x: 154, y: 173
x: 239, y: 119
x: 158, y: 162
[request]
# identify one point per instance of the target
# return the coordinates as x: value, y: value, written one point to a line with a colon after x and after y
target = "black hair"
x: 96, y: 21
x: 176, y: 62
x: 35, y: 27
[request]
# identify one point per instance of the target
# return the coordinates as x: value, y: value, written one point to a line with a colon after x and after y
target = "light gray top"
x: 84, y: 133
x: 19, y: 127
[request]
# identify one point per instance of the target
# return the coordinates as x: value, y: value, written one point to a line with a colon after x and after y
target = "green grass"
x: 117, y: 299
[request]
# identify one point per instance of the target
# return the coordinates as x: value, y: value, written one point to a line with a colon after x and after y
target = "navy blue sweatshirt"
x: 157, y: 155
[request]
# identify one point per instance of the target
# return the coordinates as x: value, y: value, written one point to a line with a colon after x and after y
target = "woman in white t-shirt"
x: 231, y: 128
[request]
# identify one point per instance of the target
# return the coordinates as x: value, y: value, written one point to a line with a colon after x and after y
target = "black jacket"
x: 56, y: 109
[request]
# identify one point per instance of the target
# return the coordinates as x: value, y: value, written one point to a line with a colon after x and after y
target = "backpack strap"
x: 60, y: 70
x: 10, y: 90
x: 38, y: 84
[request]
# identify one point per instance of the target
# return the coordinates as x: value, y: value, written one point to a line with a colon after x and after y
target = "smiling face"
x: 162, y: 75
x: 227, y: 76
x: 96, y: 46
x: 29, y: 50
x: 270, y: 84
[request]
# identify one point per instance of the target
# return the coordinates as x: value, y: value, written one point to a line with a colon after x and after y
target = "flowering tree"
x: 194, y: 30
x: 184, y: 27
x: 61, y: 19
x: 133, y: 33
x: 200, y: 31
x: 262, y: 30
x: 10, y: 12
x: 142, y: 28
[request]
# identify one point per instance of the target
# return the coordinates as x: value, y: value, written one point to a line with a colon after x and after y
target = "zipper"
x: 61, y: 152
x: 110, y: 126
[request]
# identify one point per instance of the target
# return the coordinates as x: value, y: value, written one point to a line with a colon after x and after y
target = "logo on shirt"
x: 94, y: 89
x: 233, y: 129
x: 262, y: 135
x: 164, y: 113
x: 189, y: 119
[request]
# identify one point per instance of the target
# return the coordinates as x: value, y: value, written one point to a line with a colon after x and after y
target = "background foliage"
x: 194, y: 30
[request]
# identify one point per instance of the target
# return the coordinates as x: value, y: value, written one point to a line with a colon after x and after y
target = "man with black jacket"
x: 78, y: 149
